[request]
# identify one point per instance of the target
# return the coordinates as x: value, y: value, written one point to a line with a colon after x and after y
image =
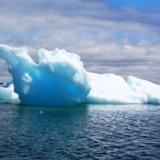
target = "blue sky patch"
x: 136, y: 36
x: 140, y: 4
x: 91, y: 32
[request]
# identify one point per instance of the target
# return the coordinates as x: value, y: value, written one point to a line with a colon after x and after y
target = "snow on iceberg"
x: 58, y: 80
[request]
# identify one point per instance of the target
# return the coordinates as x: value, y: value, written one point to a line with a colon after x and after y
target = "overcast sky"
x: 111, y: 36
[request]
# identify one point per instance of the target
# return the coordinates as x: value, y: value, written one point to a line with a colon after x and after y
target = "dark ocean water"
x: 86, y: 132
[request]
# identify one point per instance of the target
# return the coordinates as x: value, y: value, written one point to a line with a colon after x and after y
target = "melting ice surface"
x: 60, y: 80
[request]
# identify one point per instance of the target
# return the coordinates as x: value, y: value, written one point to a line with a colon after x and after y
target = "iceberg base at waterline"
x: 61, y: 80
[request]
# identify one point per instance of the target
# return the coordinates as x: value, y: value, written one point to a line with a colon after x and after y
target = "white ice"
x: 7, y: 93
x: 112, y: 89
x: 149, y: 89
x: 60, y: 80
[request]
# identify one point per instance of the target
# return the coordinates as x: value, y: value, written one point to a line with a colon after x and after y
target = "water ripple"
x: 83, y: 132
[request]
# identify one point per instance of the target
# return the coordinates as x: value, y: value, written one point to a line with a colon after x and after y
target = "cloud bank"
x: 110, y: 38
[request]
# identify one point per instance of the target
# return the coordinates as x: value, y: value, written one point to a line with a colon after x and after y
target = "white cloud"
x: 66, y: 24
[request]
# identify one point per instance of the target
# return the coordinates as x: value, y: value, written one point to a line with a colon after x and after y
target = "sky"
x: 111, y: 36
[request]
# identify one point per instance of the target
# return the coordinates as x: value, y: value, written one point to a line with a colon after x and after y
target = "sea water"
x: 84, y: 132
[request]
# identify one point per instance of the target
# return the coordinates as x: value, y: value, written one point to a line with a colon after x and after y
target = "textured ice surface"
x: 60, y: 80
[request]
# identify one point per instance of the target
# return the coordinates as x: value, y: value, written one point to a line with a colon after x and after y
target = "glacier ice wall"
x: 58, y: 80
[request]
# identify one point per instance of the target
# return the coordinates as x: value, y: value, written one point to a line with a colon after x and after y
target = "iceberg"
x: 59, y: 79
